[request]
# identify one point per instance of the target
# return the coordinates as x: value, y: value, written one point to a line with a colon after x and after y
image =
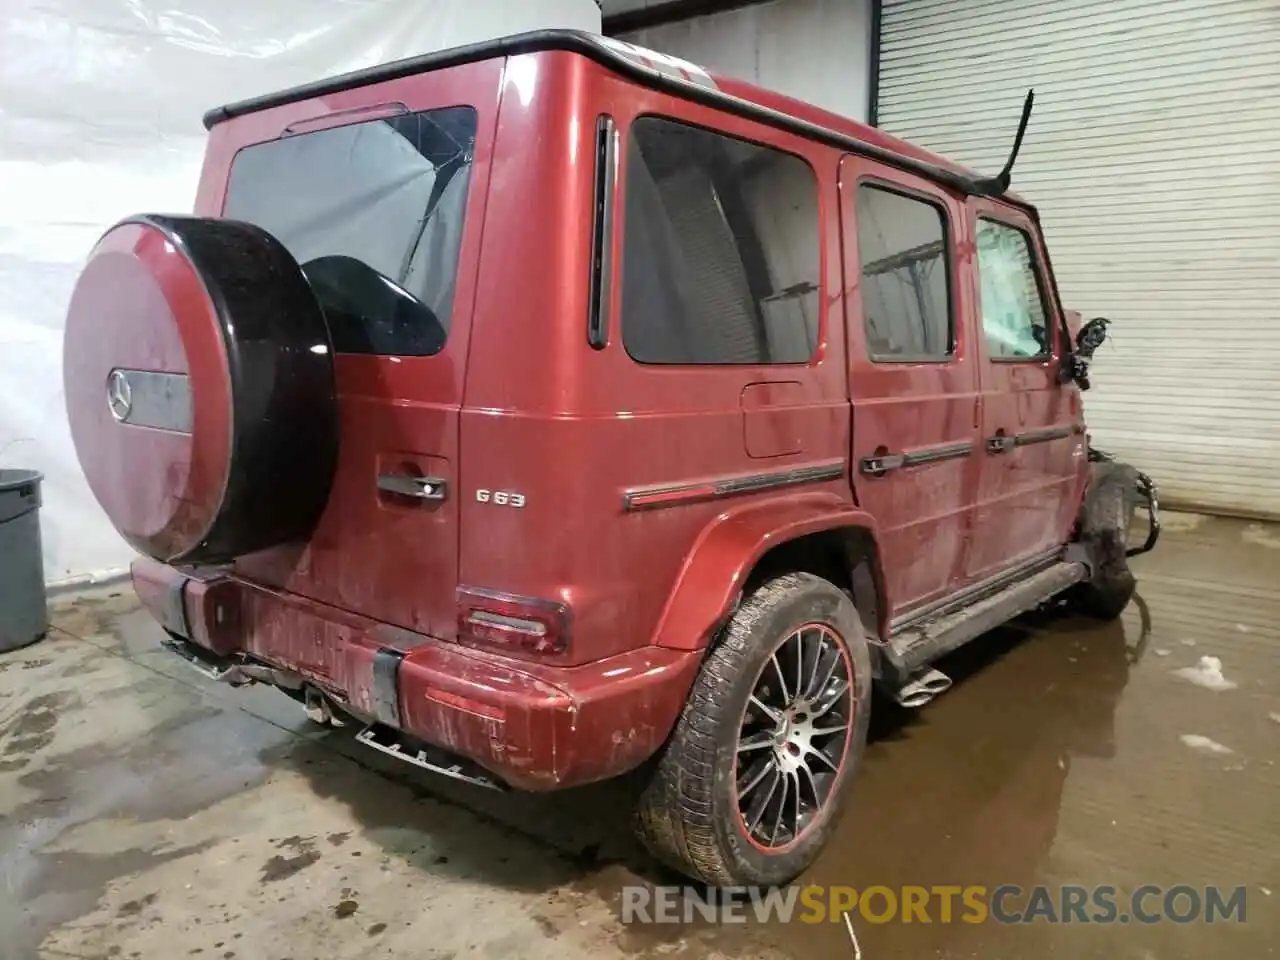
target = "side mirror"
x: 1075, y: 365
x: 1091, y: 336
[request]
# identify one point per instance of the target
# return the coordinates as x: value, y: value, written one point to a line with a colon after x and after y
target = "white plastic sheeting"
x: 100, y: 107
x: 818, y: 51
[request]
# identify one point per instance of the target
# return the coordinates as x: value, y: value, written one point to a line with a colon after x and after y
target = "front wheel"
x: 748, y: 789
x: 1106, y: 594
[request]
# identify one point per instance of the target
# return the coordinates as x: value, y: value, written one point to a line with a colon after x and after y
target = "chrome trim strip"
x: 943, y: 451
x: 680, y: 493
x: 1043, y: 436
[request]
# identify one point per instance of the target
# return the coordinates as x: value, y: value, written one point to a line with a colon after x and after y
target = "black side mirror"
x: 1075, y: 365
x: 1091, y: 336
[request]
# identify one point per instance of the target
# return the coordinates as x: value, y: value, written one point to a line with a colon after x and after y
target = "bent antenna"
x: 997, y: 185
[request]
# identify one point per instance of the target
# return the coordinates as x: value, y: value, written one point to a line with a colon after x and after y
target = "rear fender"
x: 710, y: 583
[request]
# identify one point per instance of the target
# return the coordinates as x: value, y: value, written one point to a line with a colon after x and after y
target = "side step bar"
x: 393, y: 743
x: 914, y: 648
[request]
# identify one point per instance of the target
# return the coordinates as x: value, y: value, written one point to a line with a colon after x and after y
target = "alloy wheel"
x: 793, y: 737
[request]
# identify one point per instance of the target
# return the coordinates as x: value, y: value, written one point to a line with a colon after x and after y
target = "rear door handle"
x: 1001, y: 443
x: 878, y: 466
x: 421, y: 488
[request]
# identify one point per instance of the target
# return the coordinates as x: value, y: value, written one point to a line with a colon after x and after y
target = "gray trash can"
x: 24, y: 611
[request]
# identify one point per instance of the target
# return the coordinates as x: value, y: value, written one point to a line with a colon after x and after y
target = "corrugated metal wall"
x: 1154, y: 157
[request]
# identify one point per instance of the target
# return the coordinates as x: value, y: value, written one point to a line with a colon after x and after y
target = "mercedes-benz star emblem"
x: 119, y: 395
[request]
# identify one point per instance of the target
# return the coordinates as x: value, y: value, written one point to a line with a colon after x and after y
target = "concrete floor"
x: 145, y: 813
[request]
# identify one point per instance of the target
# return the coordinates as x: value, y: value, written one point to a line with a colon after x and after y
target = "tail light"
x: 510, y: 624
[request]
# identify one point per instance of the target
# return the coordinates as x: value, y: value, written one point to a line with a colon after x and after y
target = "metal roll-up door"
x: 1152, y: 155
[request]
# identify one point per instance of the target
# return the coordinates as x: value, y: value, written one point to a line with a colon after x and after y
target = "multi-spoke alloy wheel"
x: 749, y: 785
x: 793, y: 736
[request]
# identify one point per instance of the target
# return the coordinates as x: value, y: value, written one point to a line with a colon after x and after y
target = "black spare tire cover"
x: 199, y: 382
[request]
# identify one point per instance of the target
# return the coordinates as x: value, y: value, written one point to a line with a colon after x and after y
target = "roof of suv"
x: 671, y: 75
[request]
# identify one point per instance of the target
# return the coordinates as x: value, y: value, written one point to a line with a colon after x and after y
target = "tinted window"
x: 720, y: 250
x: 373, y: 211
x: 1013, y: 315
x: 906, y: 304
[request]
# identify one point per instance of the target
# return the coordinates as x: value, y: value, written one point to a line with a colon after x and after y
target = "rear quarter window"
x: 721, y: 250
x: 373, y: 211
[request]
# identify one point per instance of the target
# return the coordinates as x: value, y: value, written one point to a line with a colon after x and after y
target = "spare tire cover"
x: 199, y: 383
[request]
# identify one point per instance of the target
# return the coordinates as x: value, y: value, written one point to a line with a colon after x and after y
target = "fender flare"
x: 727, y: 549
x: 1098, y: 540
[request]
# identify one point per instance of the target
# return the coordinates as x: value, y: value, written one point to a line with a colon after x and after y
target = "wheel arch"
x: 819, y: 534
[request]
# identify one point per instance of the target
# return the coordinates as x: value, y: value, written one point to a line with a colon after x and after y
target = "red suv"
x: 552, y: 408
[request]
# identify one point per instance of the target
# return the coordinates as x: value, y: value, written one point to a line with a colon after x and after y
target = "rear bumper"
x: 536, y: 727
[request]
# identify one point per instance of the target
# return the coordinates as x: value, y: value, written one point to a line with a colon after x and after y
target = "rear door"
x: 913, y: 376
x: 380, y: 197
x: 1033, y: 455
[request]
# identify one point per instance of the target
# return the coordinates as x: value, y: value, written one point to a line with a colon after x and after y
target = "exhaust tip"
x: 921, y: 688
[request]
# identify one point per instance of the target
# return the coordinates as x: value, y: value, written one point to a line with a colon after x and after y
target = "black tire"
x: 688, y: 814
x: 1109, y: 590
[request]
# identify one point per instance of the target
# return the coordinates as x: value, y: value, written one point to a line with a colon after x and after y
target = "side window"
x: 373, y: 211
x: 906, y: 296
x: 721, y: 257
x: 1013, y: 314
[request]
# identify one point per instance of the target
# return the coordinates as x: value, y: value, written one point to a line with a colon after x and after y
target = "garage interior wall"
x: 814, y: 50
x: 1151, y: 155
x: 100, y: 107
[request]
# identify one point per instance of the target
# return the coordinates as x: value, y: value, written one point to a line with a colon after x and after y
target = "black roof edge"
x: 597, y: 48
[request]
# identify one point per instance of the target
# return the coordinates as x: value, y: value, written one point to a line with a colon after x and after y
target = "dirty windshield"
x: 373, y: 211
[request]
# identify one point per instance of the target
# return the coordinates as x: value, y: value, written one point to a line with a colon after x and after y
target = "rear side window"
x: 721, y: 253
x: 1013, y: 314
x: 906, y: 303
x: 373, y: 212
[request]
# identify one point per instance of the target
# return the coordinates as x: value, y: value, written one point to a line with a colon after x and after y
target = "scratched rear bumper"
x: 537, y: 727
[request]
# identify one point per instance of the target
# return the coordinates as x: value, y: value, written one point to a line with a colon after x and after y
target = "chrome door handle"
x: 878, y: 466
x: 421, y: 488
x: 1001, y: 443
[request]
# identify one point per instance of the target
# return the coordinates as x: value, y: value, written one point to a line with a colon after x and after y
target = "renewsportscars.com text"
x: 1007, y: 904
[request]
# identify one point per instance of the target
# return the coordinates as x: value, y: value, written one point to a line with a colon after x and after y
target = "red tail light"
x: 511, y: 624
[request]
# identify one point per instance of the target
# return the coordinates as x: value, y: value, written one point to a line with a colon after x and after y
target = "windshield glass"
x: 373, y: 211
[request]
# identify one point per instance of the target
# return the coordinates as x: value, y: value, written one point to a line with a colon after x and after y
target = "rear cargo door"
x: 380, y: 199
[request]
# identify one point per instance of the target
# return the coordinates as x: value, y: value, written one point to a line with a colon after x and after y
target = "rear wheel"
x: 748, y: 789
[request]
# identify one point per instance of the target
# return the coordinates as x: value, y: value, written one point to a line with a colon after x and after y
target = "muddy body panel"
x: 605, y: 352
x: 535, y: 727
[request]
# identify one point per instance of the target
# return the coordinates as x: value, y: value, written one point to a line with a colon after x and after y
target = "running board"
x: 914, y: 648
x: 436, y: 759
